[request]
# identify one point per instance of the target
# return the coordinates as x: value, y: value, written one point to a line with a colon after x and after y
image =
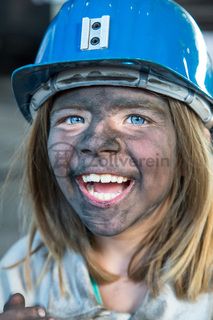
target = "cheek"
x: 62, y: 153
x: 155, y: 158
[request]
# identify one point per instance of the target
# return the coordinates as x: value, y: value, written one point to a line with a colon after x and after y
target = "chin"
x: 106, y: 231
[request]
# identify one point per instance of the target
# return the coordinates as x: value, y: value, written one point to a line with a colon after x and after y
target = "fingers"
x: 32, y: 313
x: 14, y: 309
x: 15, y: 301
x: 29, y: 313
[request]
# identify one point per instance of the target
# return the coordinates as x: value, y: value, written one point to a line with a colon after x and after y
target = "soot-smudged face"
x: 113, y: 152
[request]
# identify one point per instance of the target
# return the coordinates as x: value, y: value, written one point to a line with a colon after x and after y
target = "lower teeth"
x: 103, y: 196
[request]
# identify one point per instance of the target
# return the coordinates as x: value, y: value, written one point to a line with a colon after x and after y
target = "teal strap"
x: 96, y: 291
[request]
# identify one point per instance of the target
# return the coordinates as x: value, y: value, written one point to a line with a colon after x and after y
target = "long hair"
x: 178, y: 249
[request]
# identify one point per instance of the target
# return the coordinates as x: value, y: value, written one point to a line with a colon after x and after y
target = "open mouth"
x: 104, y: 188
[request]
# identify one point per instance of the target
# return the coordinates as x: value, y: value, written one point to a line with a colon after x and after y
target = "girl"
x: 119, y: 167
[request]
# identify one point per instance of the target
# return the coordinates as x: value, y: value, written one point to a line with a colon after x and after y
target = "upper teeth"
x: 103, y: 178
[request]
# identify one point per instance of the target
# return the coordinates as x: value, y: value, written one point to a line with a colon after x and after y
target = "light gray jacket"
x: 79, y: 302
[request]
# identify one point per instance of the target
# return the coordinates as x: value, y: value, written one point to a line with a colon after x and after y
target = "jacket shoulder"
x: 12, y: 277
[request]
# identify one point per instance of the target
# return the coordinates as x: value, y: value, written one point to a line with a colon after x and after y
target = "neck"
x: 115, y: 253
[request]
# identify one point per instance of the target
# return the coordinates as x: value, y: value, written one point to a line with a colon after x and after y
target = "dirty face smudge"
x: 117, y: 148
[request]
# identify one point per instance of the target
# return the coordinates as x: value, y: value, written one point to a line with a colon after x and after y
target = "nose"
x: 99, y: 144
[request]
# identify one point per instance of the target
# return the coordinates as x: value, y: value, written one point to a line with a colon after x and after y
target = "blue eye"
x: 136, y: 120
x: 74, y: 120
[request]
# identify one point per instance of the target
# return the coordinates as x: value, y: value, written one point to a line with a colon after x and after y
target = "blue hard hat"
x: 152, y: 44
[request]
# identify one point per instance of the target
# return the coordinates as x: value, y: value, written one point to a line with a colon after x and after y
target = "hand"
x: 15, y: 309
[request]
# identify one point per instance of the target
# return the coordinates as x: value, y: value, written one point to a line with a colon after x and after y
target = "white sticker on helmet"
x: 95, y: 33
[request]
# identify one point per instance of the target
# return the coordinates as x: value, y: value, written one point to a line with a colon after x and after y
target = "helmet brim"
x: 28, y: 79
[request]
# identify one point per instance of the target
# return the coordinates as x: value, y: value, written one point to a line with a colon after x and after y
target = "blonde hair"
x: 179, y: 247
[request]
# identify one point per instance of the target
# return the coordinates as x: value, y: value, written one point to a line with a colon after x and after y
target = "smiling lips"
x: 104, y: 189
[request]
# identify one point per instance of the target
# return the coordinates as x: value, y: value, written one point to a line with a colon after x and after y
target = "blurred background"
x: 22, y: 24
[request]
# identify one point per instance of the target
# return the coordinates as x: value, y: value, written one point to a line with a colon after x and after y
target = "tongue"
x: 108, y: 187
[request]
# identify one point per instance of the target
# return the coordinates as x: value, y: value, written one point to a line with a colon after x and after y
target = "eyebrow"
x: 122, y: 103
x: 64, y: 108
x: 143, y: 104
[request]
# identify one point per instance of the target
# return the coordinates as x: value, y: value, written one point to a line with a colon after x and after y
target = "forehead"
x: 108, y: 96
